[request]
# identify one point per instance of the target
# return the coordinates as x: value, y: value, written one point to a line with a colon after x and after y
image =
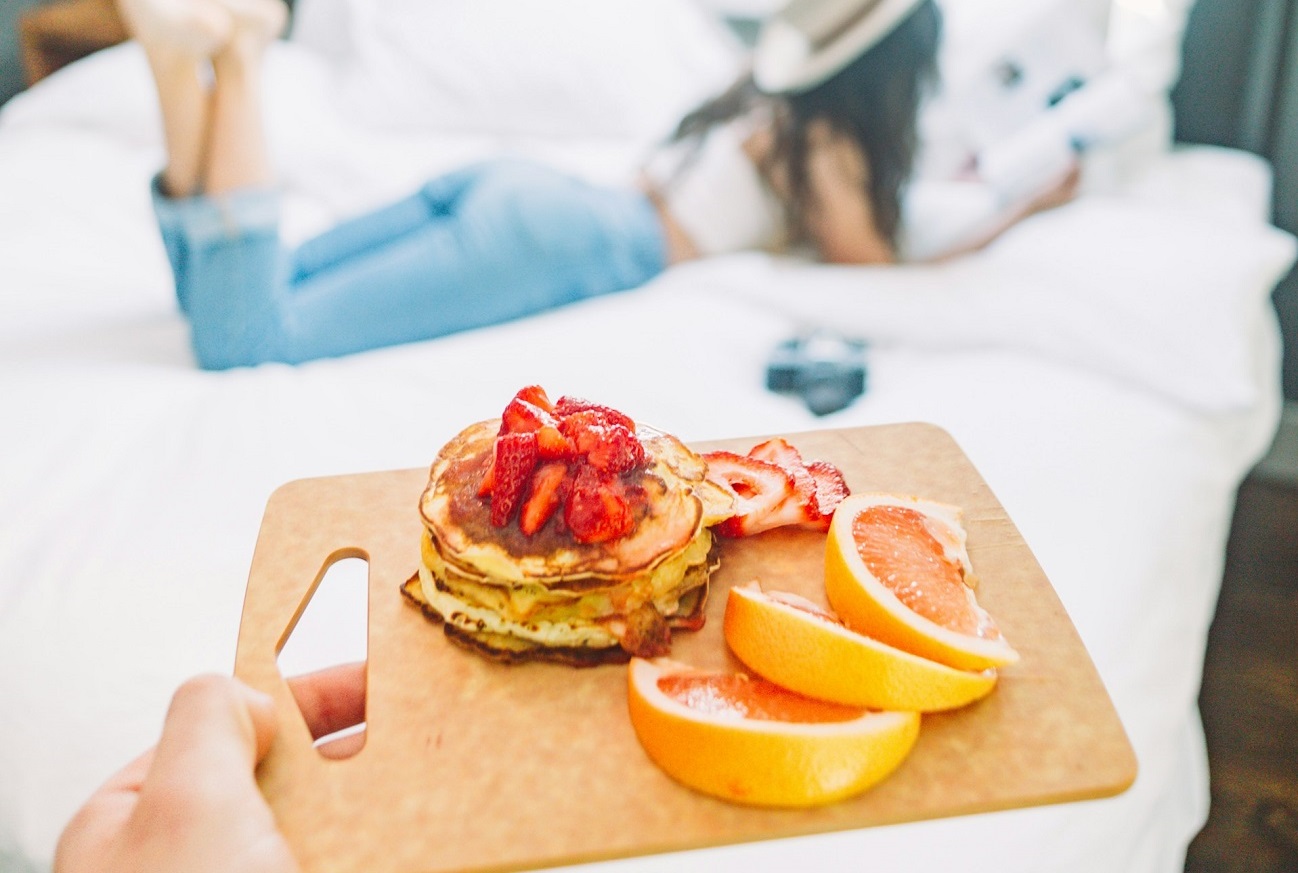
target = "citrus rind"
x: 825, y: 660
x: 759, y: 762
x: 869, y: 607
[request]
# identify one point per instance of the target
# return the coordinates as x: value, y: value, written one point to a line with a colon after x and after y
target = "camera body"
x: 828, y: 372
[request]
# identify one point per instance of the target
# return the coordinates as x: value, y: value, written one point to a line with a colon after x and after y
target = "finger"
x: 216, y: 728
x: 130, y: 777
x: 332, y: 699
x: 343, y: 747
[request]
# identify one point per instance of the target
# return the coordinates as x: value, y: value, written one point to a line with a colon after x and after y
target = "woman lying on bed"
x: 813, y: 150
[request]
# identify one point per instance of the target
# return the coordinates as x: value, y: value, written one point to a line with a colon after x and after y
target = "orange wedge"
x: 792, y: 642
x: 896, y: 569
x: 748, y: 740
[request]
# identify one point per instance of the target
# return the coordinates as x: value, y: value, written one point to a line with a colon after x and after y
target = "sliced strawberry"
x: 597, y: 509
x: 792, y: 511
x: 608, y: 446
x: 552, y: 444
x: 777, y: 450
x: 616, y: 451
x: 760, y: 488
x: 515, y: 459
x: 520, y: 416
x: 831, y: 488
x: 535, y: 395
x: 585, y: 429
x: 782, y: 453
x: 544, y: 495
x: 567, y: 406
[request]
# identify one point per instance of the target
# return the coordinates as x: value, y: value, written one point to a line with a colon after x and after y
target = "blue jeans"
x: 478, y: 246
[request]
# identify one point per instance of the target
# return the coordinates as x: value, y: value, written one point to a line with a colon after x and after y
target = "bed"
x: 1111, y: 368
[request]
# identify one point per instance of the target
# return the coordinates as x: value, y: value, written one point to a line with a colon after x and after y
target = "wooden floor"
x: 1249, y: 698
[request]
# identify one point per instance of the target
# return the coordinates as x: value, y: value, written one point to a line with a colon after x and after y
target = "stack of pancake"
x: 547, y: 596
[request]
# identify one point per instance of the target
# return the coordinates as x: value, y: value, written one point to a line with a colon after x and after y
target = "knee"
x: 236, y: 305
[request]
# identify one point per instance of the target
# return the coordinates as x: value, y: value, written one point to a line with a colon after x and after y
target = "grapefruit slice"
x: 896, y: 569
x: 796, y: 644
x: 750, y: 741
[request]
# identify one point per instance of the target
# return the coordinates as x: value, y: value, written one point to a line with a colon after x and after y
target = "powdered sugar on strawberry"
x: 571, y: 455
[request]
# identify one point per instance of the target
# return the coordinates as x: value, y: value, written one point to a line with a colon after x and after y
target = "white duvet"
x: 1111, y: 368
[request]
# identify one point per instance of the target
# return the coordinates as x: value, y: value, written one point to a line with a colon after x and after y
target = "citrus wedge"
x: 792, y: 642
x: 896, y: 569
x: 748, y: 740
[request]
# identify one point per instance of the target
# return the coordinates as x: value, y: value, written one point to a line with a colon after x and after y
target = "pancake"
x: 546, y: 594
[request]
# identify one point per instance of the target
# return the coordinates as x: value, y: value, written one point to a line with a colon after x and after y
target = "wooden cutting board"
x: 472, y: 765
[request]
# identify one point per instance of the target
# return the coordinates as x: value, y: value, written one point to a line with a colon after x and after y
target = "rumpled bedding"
x: 1111, y: 368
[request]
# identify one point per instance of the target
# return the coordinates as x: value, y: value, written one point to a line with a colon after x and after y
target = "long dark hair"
x: 874, y: 101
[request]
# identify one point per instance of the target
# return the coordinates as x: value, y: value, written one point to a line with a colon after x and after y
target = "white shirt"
x: 716, y: 193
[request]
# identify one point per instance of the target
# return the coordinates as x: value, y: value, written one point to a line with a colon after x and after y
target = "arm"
x: 1056, y: 193
x: 842, y: 224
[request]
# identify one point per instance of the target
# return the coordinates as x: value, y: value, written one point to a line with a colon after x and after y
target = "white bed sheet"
x: 1112, y: 369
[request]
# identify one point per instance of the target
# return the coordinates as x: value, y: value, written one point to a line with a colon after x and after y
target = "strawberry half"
x: 511, y: 471
x: 535, y: 395
x: 760, y: 488
x: 520, y: 416
x: 544, y: 495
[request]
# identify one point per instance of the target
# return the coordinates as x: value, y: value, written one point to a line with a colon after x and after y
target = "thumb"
x: 216, y: 730
x: 200, y: 808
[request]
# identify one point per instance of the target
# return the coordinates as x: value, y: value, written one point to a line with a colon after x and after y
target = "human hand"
x: 191, y: 804
x: 1056, y: 192
x: 988, y: 225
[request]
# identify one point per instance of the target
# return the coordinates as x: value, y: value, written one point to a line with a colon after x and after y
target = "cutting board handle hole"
x: 330, y: 633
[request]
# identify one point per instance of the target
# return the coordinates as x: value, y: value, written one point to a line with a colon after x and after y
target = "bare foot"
x: 256, y: 22
x: 192, y: 27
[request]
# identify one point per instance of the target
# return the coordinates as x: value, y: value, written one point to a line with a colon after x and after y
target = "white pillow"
x: 109, y: 92
x: 569, y: 68
x: 1158, y: 286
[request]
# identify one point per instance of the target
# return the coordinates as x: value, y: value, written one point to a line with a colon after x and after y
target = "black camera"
x: 826, y: 371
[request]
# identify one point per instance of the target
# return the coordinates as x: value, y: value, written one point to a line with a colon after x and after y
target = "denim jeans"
x: 490, y: 243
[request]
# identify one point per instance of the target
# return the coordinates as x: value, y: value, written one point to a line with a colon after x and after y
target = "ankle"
x: 241, y: 56
x: 256, y: 23
x: 167, y: 60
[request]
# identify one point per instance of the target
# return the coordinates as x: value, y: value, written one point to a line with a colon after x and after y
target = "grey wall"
x: 11, y: 72
x: 1239, y: 87
x: 1284, y: 157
